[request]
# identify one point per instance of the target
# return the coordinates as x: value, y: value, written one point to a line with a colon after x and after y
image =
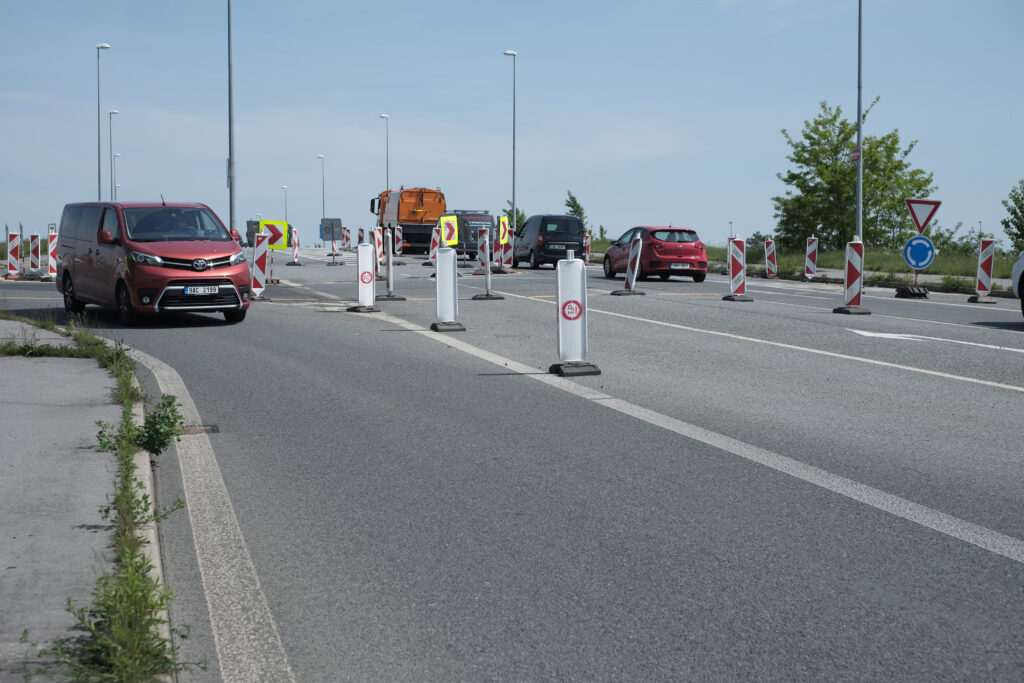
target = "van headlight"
x: 238, y: 258
x: 148, y: 259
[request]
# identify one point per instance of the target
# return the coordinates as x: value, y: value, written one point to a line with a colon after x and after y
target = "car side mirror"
x: 235, y: 236
x: 106, y: 237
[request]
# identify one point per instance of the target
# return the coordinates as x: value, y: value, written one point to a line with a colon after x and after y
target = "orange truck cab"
x: 415, y: 209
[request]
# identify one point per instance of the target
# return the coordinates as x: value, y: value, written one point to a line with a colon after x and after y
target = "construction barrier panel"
x: 811, y: 258
x: 771, y: 265
x: 259, y: 266
x: 633, y: 265
x: 295, y: 249
x: 737, y: 267
x: 435, y: 243
x: 853, y: 280
x: 33, y: 251
x: 346, y: 237
x: 13, y: 255
x: 986, y: 254
x: 481, y: 247
x: 586, y: 247
x: 51, y: 256
x: 398, y: 240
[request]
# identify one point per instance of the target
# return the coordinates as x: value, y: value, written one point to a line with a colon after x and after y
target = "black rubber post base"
x: 979, y: 299
x: 389, y: 297
x: 294, y: 263
x: 447, y: 327
x: 361, y: 309
x: 628, y: 292
x: 851, y: 310
x: 908, y: 292
x: 487, y: 297
x: 574, y: 369
x: 736, y: 297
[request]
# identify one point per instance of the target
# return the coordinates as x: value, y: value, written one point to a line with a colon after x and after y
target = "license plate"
x: 680, y: 266
x: 201, y: 290
x: 557, y: 246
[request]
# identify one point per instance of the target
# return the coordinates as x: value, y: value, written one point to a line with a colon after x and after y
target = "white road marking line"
x: 982, y: 537
x: 245, y: 635
x: 919, y: 337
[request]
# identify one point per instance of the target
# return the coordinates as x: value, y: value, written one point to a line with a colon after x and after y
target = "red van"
x: 150, y: 257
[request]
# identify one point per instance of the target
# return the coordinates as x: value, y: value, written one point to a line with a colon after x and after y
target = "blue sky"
x: 651, y: 112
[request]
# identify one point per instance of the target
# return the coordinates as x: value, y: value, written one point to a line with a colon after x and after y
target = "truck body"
x: 415, y: 209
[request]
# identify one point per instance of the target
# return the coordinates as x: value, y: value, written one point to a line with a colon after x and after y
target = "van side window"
x: 110, y: 223
x: 69, y: 221
x: 89, y: 223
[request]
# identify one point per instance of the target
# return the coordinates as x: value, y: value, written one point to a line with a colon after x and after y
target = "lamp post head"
x: 384, y: 116
x: 113, y: 111
x: 102, y: 46
x: 117, y: 155
x: 511, y: 53
x: 320, y: 156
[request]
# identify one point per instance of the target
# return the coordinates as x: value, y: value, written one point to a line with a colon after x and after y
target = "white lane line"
x: 918, y: 337
x: 793, y: 347
x: 982, y: 537
x: 245, y: 636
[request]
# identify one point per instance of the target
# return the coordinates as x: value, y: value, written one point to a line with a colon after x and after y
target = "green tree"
x: 822, y: 195
x: 520, y: 216
x: 1013, y: 224
x: 575, y: 208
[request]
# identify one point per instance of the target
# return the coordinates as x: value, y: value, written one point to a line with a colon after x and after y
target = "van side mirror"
x: 106, y: 237
x: 235, y: 236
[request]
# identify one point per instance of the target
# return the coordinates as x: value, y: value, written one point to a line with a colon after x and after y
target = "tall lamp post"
x: 514, y: 221
x: 110, y: 145
x: 323, y: 187
x: 387, y: 150
x: 285, y: 188
x: 99, y: 163
x: 113, y: 175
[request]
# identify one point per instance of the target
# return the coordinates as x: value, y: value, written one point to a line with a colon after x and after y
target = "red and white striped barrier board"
x: 737, y: 267
x: 985, y: 257
x: 361, y: 237
x: 771, y: 264
x: 811, y: 259
x: 51, y: 256
x: 346, y: 237
x: 378, y: 241
x: 586, y: 247
x: 633, y: 265
x: 481, y: 247
x: 398, y: 240
x: 295, y: 245
x: 259, y: 266
x: 853, y: 282
x: 13, y: 257
x: 506, y: 252
x: 435, y: 242
x: 33, y: 251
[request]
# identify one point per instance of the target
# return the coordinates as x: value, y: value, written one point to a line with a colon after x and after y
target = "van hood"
x: 192, y: 249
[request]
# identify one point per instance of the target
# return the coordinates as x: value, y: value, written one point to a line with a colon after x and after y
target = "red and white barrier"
x: 986, y: 255
x: 811, y: 258
x: 33, y: 251
x: 853, y: 280
x: 378, y: 241
x: 51, y: 256
x: 481, y: 248
x: 13, y: 256
x: 586, y: 247
x: 361, y: 237
x: 435, y: 242
x: 346, y: 237
x: 633, y: 265
x: 295, y: 245
x: 398, y: 240
x: 771, y: 264
x: 259, y: 266
x: 737, y: 266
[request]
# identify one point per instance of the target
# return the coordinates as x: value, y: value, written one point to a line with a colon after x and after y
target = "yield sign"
x: 278, y: 232
x: 919, y: 208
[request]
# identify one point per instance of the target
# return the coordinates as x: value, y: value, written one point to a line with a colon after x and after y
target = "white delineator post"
x: 13, y: 242
x: 378, y: 240
x: 811, y: 259
x: 481, y: 248
x: 259, y: 266
x: 366, y: 281
x: 586, y: 247
x: 737, y: 261
x: 447, y: 292
x: 398, y: 240
x: 853, y: 280
x: 51, y: 255
x: 632, y: 268
x: 33, y: 250
x: 983, y: 287
x: 771, y: 265
x: 571, y: 298
x: 435, y: 241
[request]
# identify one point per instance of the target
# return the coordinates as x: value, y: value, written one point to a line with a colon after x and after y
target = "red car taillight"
x: 698, y: 244
x: 540, y: 240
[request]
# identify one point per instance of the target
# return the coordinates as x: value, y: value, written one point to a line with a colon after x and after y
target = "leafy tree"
x: 520, y: 216
x: 755, y: 246
x: 575, y: 208
x: 601, y: 232
x: 822, y: 199
x: 946, y: 240
x: 1013, y: 224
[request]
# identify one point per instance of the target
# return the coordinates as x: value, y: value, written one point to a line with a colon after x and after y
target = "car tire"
x: 515, y: 263
x: 534, y: 263
x: 71, y: 304
x: 663, y: 276
x: 125, y: 311
x: 699, y: 277
x: 235, y: 315
x: 608, y: 271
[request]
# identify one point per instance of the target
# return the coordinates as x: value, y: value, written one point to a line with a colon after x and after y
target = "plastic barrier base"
x: 389, y: 297
x: 911, y: 292
x: 487, y: 297
x: 361, y: 309
x: 976, y: 299
x: 294, y: 263
x: 574, y: 369
x: 628, y: 292
x: 335, y: 263
x: 447, y: 327
x: 851, y: 310
x: 736, y: 297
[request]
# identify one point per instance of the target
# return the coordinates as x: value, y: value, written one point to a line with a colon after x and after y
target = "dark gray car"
x: 545, y: 238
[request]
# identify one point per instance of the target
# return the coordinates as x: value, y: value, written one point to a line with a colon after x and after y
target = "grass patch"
x: 117, y: 637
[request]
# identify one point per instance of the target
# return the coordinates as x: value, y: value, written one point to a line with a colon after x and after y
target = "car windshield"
x: 173, y: 223
x: 674, y: 235
x: 562, y: 226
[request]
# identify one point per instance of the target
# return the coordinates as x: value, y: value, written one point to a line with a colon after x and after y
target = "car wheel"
x: 608, y: 271
x: 663, y: 276
x: 235, y: 315
x: 699, y: 277
x: 534, y: 263
x: 71, y: 304
x: 125, y: 311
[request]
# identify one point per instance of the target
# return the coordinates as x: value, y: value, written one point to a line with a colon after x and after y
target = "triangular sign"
x: 919, y: 208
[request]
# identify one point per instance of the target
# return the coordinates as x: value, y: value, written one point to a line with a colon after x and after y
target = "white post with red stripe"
x: 853, y: 280
x: 346, y: 237
x: 983, y: 288
x: 259, y: 266
x: 435, y: 242
x: 811, y: 259
x: 571, y: 297
x: 366, y: 282
x: 51, y: 255
x: 13, y: 257
x: 737, y: 266
x: 632, y: 268
x: 295, y: 248
x: 481, y: 248
x: 586, y: 247
x: 33, y: 251
x: 771, y: 264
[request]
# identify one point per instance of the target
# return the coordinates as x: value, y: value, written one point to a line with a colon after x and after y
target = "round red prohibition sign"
x: 366, y: 277
x: 572, y: 310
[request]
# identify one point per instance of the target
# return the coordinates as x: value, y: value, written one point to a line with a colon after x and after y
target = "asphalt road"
x: 757, y: 490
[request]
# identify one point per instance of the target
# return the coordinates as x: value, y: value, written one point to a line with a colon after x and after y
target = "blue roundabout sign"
x: 919, y: 252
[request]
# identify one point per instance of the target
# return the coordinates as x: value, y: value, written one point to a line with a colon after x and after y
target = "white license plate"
x: 201, y: 290
x: 680, y: 266
x: 557, y: 246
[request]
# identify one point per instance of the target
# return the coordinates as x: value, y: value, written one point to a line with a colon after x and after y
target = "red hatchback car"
x: 153, y: 257
x: 666, y: 251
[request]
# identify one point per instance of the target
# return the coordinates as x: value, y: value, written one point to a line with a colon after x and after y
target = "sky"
x: 651, y: 112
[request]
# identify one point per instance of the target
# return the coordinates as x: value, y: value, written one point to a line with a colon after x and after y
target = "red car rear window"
x: 674, y: 235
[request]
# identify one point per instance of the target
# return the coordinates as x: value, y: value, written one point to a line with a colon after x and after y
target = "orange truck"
x: 415, y: 209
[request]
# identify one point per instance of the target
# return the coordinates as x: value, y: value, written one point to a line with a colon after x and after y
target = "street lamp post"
x: 387, y: 150
x: 110, y: 145
x: 285, y: 188
x: 99, y: 163
x: 514, y: 221
x: 323, y: 187
x: 113, y: 174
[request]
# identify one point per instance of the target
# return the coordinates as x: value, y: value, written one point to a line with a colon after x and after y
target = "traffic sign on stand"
x: 277, y: 232
x: 919, y: 252
x: 921, y: 212
x: 449, y: 231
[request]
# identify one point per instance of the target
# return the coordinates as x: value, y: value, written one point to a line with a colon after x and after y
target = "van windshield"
x: 173, y: 223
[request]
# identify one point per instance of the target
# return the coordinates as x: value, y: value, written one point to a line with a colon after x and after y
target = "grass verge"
x: 122, y: 635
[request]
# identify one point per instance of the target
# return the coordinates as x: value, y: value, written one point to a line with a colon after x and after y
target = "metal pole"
x: 860, y: 159
x: 285, y: 188
x: 110, y: 145
x: 99, y: 163
x: 113, y: 174
x: 323, y: 188
x: 514, y: 220
x: 231, y: 128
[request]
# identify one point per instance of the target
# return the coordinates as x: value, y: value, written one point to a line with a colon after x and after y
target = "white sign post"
x: 366, y: 259
x: 447, y: 292
x: 571, y: 296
